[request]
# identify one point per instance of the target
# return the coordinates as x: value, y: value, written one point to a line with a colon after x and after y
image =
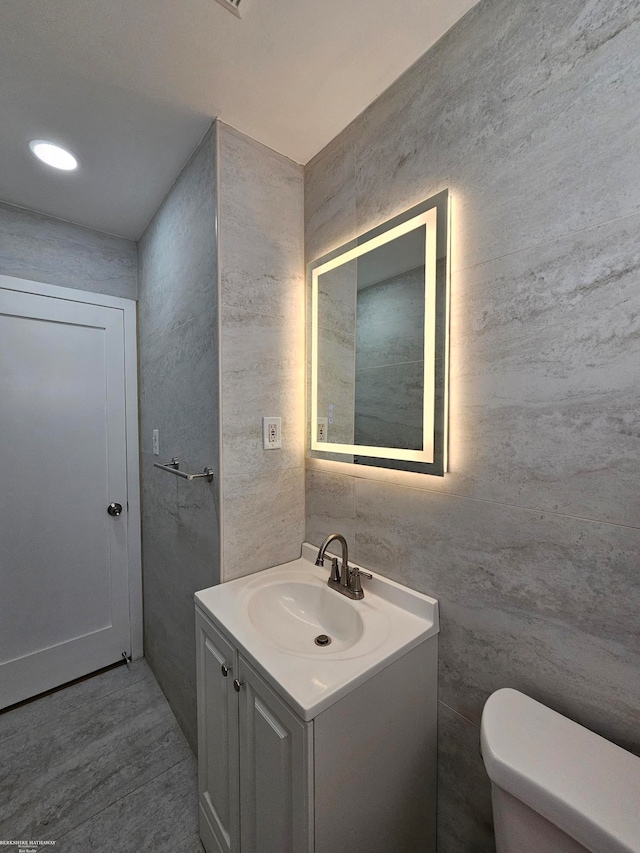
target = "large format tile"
x: 51, y: 706
x: 178, y: 393
x: 527, y: 598
x: 178, y: 249
x: 263, y: 378
x: 55, y: 777
x: 263, y: 520
x: 528, y: 114
x: 180, y: 542
x: 41, y: 248
x: 337, y: 383
x: 331, y: 508
x: 589, y: 678
x: 161, y: 815
x: 330, y: 197
x: 389, y: 404
x: 465, y: 823
x: 545, y: 347
x: 390, y: 327
x: 479, y: 553
x: 260, y: 266
x: 509, y: 88
x: 543, y: 397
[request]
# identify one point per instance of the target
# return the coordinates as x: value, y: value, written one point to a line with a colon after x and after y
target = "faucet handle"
x: 364, y: 574
x: 335, y: 571
x: 355, y: 582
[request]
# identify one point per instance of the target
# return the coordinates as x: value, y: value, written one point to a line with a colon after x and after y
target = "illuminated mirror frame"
x: 433, y: 216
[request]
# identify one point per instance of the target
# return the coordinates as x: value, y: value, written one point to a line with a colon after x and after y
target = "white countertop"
x: 394, y: 619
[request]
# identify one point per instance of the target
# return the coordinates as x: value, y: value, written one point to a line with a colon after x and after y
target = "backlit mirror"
x: 379, y: 344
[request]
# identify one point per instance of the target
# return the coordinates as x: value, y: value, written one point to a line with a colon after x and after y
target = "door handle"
x: 114, y: 509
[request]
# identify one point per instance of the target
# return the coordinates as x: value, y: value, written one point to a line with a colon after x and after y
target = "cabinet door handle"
x: 225, y: 669
x: 237, y: 685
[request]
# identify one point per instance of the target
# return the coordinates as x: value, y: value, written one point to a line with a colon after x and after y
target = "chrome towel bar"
x: 173, y: 467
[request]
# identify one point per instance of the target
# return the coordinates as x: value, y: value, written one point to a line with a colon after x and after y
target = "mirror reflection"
x: 378, y: 344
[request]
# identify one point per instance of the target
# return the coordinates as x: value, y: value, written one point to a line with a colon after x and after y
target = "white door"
x: 64, y: 601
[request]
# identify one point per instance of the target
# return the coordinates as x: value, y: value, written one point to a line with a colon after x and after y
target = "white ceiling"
x: 132, y: 85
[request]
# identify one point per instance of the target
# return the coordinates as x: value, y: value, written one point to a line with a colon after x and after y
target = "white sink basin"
x: 293, y: 614
x: 275, y: 616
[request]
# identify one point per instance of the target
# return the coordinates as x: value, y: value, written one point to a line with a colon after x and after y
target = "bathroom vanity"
x: 316, y: 748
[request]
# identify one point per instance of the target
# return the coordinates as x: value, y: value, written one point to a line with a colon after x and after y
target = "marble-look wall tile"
x: 178, y: 249
x: 263, y: 520
x: 388, y: 405
x: 42, y: 248
x: 465, y: 822
x: 262, y: 374
x: 178, y: 385
x: 330, y: 197
x: 331, y: 508
x: 261, y: 215
x: 545, y: 347
x: 528, y: 599
x: 390, y: 324
x: 180, y: 556
x: 337, y: 383
x: 507, y: 89
x: 179, y: 396
x: 527, y: 113
x: 589, y: 678
x: 262, y: 351
x: 337, y: 299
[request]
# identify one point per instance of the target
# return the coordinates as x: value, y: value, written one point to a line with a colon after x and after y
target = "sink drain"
x: 322, y: 640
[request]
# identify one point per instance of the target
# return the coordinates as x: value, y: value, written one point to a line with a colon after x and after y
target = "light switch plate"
x: 156, y: 442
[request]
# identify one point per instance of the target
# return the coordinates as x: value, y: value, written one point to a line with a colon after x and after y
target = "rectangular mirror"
x: 379, y: 344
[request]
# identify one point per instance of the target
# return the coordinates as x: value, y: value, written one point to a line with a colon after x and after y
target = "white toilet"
x: 556, y: 786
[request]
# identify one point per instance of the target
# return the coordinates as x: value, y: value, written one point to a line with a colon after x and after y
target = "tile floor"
x: 99, y: 766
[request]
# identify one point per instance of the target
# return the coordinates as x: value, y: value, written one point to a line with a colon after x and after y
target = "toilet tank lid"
x: 579, y: 781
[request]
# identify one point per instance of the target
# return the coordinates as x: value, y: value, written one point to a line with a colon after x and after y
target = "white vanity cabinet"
x: 359, y: 777
x: 254, y: 756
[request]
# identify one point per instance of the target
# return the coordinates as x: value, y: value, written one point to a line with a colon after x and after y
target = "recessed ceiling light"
x: 53, y: 155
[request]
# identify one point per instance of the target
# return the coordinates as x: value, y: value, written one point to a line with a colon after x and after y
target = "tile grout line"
x: 458, y: 714
x: 271, y: 316
x: 548, y: 242
x: 444, y: 493
x: 35, y: 726
x: 170, y: 331
x: 513, y: 506
x: 123, y: 797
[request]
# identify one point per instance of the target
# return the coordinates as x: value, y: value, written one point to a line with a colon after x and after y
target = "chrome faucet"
x: 345, y: 579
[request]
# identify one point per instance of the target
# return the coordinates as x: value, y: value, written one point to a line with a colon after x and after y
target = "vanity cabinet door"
x: 217, y: 739
x: 275, y: 771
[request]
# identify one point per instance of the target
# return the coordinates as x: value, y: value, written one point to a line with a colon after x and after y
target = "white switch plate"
x: 323, y: 428
x: 156, y: 442
x: 271, y: 434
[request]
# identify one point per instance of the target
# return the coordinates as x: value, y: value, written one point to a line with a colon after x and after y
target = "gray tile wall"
x: 41, y: 248
x: 178, y: 341
x: 389, y: 378
x: 529, y: 114
x: 262, y: 353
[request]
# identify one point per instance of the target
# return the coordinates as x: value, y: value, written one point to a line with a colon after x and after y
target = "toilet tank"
x: 557, y: 786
